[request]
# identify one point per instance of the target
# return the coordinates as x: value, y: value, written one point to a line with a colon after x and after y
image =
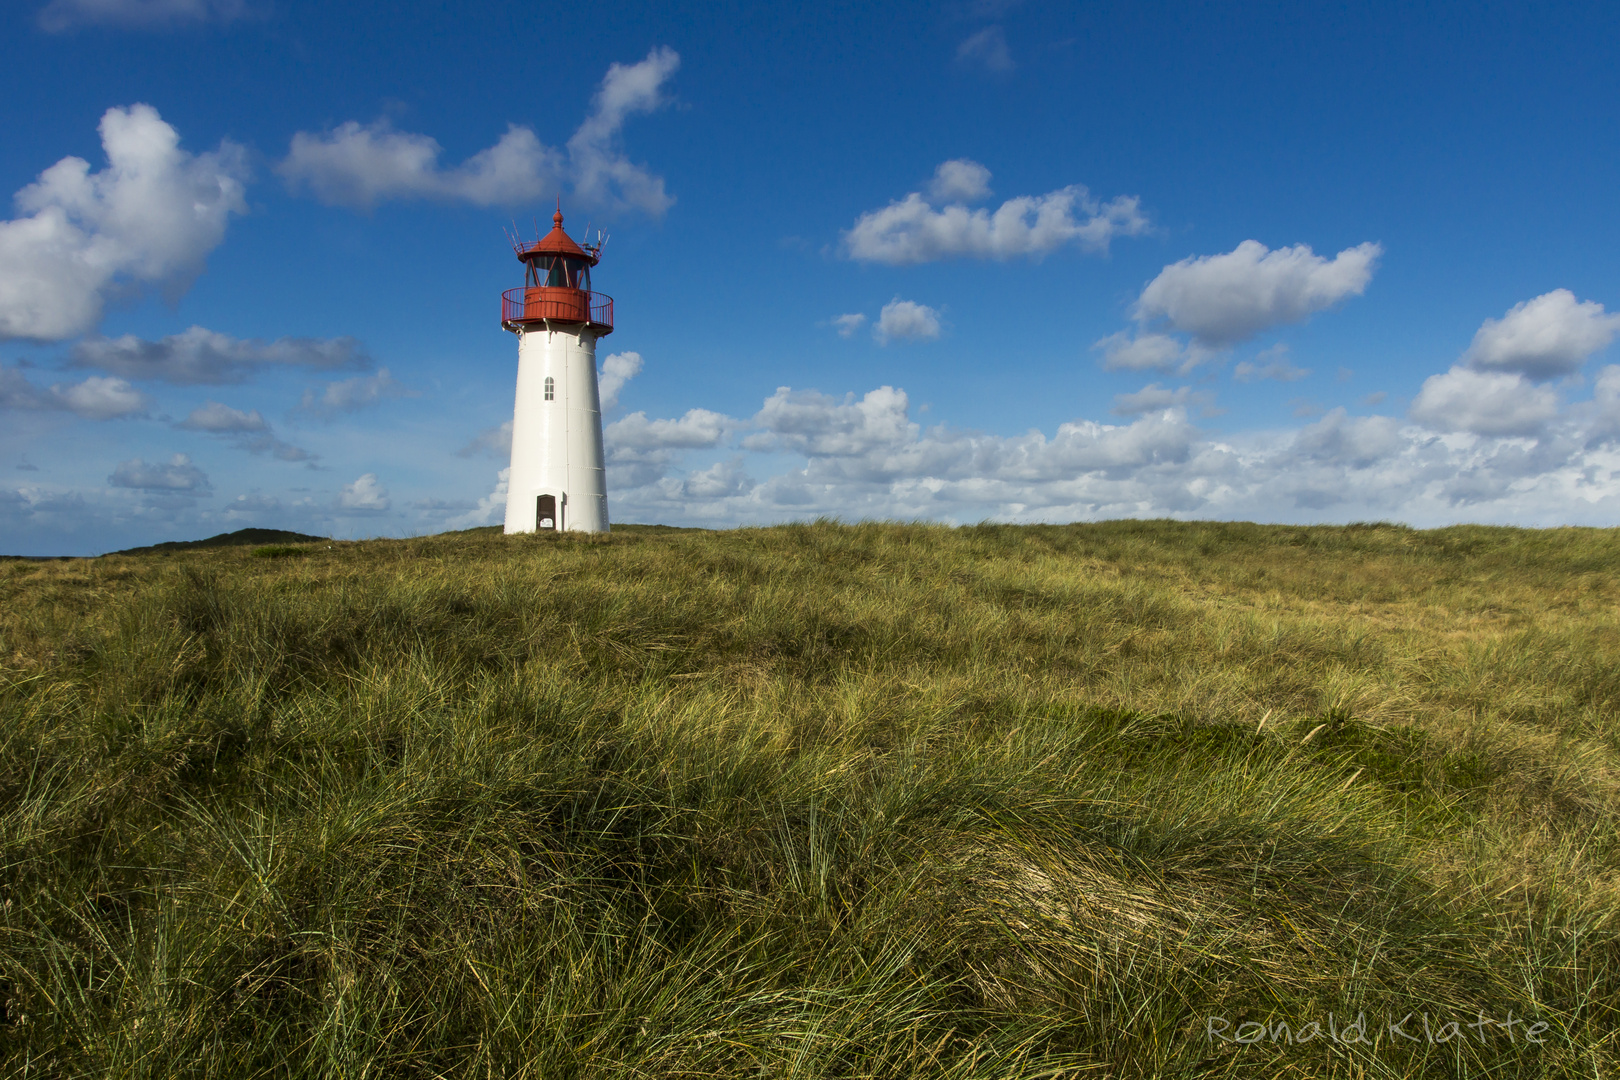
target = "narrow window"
x: 551, y: 388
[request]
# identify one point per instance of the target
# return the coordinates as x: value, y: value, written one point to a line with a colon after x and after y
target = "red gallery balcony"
x: 532, y: 304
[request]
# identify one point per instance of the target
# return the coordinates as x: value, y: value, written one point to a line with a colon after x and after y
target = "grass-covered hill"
x: 817, y: 801
x: 239, y: 538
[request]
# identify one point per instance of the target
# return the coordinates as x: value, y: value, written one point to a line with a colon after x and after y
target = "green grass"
x: 815, y: 801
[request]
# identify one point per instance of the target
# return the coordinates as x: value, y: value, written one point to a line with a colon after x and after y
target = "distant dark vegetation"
x: 239, y: 538
x: 818, y: 801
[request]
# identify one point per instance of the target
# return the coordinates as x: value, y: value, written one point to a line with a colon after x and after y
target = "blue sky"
x: 1021, y: 261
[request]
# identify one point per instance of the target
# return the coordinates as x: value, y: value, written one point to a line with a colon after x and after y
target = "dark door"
x: 545, y: 512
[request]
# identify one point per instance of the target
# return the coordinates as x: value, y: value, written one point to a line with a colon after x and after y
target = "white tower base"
x: 558, y: 480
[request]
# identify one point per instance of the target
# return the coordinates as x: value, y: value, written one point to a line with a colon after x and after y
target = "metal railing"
x: 534, y: 303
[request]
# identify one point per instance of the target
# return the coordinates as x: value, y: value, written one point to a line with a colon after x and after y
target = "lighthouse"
x: 557, y: 480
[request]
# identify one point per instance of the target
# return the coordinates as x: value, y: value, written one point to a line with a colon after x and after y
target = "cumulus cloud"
x: 814, y: 423
x: 1156, y: 398
x: 1272, y: 363
x: 720, y: 480
x: 178, y: 476
x: 351, y: 395
x: 912, y: 230
x: 1543, y: 338
x: 1484, y: 403
x: 490, y: 510
x: 698, y: 428
x: 988, y: 49
x: 960, y: 180
x: 96, y: 398
x: 602, y: 175
x: 1603, y: 411
x: 364, y: 496
x: 219, y: 419
x: 1125, y: 351
x: 866, y: 457
x: 200, y: 356
x: 617, y: 369
x: 359, y: 166
x: 642, y: 450
x: 150, y: 218
x: 905, y: 320
x: 1356, y: 442
x: 246, y: 430
x: 849, y: 325
x: 60, y: 15
x: 1224, y: 299
x: 100, y: 399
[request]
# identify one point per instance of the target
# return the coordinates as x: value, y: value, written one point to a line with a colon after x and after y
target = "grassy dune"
x: 817, y: 801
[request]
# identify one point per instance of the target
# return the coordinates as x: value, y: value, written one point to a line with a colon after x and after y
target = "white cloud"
x: 96, y: 398
x: 1224, y: 299
x: 247, y: 430
x: 814, y: 423
x: 60, y: 15
x: 848, y: 325
x: 216, y: 419
x: 1147, y: 352
x: 1272, y: 363
x: 491, y: 508
x: 1484, y: 403
x: 364, y: 496
x: 351, y: 395
x: 1156, y: 398
x: 866, y: 458
x: 360, y: 166
x: 617, y: 369
x: 149, y: 218
x: 988, y: 49
x: 698, y: 428
x: 1543, y: 338
x: 1356, y: 442
x: 199, y: 356
x: 179, y: 476
x: 602, y: 175
x: 959, y: 180
x: 722, y: 479
x: 905, y: 320
x: 1604, y: 409
x: 913, y: 231
x: 641, y: 450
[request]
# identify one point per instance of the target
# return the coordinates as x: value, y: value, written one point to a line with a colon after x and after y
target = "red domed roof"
x: 556, y: 242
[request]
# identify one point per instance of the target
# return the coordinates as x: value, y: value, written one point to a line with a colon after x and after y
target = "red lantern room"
x: 557, y: 284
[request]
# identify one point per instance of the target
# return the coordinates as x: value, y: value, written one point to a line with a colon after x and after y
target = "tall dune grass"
x: 817, y: 801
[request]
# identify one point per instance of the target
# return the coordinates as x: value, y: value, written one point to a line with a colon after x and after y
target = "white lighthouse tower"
x: 557, y: 480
